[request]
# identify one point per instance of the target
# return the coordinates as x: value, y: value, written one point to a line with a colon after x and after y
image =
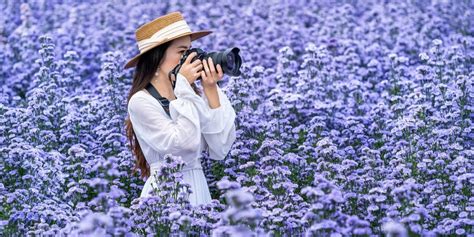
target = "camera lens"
x: 230, y: 61
x: 233, y: 61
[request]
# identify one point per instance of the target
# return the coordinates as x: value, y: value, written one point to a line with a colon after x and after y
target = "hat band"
x: 174, y: 29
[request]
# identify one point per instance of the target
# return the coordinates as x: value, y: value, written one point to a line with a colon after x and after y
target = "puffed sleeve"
x: 219, y: 129
x: 180, y: 133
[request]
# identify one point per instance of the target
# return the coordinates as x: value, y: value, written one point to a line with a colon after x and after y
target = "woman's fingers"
x: 203, y: 75
x: 212, y: 67
x: 219, y: 71
x: 212, y: 70
x: 199, y: 67
x: 206, y: 67
x: 190, y: 57
x: 196, y: 62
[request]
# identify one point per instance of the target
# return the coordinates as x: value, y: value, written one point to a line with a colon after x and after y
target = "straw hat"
x: 162, y: 30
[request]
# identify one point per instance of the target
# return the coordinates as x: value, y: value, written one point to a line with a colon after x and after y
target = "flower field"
x: 354, y: 118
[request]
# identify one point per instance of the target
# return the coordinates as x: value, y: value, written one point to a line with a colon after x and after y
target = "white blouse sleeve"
x: 180, y: 133
x: 219, y: 129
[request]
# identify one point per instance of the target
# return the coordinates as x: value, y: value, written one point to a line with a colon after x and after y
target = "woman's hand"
x: 209, y: 75
x: 191, y: 70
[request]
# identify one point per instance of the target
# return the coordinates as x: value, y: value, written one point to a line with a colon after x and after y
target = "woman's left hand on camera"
x: 209, y: 75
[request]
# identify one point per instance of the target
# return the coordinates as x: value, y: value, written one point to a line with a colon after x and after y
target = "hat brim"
x: 194, y: 36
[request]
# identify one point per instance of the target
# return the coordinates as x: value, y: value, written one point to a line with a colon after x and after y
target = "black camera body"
x: 229, y: 60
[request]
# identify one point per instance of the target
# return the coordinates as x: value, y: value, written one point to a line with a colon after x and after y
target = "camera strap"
x: 163, y: 101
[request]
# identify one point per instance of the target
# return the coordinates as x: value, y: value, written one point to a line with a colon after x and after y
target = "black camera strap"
x: 163, y: 101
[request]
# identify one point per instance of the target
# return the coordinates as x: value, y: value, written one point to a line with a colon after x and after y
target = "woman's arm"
x: 219, y: 131
x: 212, y: 96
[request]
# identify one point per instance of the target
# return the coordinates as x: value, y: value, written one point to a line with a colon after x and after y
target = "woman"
x: 194, y: 123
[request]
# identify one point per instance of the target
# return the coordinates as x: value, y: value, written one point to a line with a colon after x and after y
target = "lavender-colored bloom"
x: 394, y: 229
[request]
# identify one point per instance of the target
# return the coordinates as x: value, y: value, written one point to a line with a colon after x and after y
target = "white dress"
x: 193, y: 127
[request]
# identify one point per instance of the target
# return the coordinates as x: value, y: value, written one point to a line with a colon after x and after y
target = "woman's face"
x: 174, y: 52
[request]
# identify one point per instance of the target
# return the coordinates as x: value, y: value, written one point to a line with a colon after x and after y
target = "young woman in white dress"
x: 196, y: 122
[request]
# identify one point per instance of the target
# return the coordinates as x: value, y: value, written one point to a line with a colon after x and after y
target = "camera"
x: 229, y: 60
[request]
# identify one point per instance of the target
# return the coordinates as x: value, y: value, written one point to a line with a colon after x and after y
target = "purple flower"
x: 394, y: 229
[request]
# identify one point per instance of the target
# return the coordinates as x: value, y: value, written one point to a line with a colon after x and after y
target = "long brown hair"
x: 146, y: 67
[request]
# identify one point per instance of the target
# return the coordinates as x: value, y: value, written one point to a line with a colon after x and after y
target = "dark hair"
x: 146, y: 67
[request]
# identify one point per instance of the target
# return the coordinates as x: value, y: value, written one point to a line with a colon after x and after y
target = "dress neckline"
x: 148, y: 93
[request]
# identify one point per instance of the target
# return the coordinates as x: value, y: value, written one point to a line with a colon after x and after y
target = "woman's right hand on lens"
x: 191, y: 70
